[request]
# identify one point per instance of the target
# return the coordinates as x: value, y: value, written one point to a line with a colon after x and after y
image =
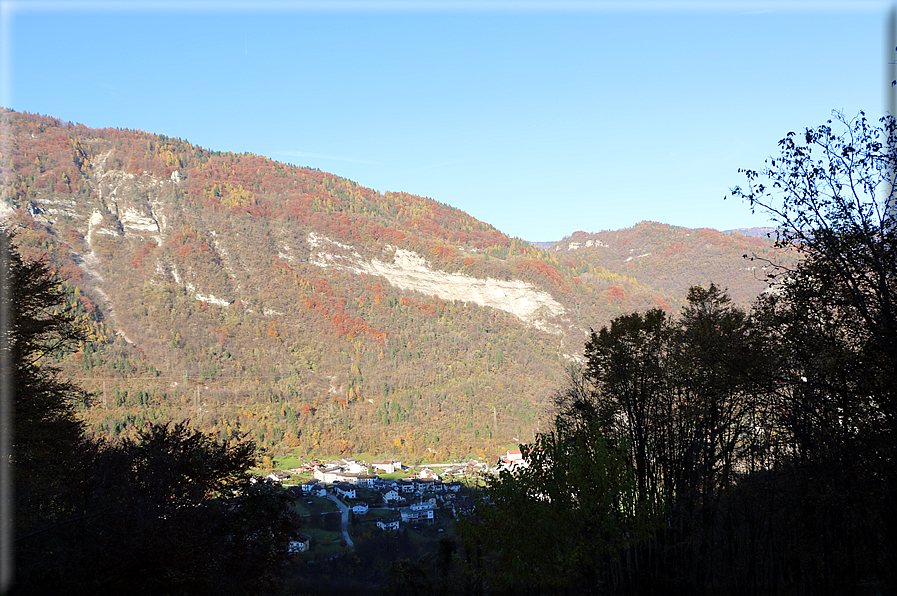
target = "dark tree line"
x: 170, y: 512
x: 723, y: 451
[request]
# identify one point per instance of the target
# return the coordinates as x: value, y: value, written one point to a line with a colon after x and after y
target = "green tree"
x: 564, y: 520
x: 626, y: 384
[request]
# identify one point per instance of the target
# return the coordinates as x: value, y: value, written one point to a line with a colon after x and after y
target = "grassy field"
x: 375, y: 514
x: 318, y: 505
x: 288, y: 462
x: 396, y: 475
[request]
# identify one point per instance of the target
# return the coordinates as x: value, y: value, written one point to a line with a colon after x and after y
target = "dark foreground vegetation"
x: 727, y: 452
x: 172, y: 512
x: 721, y: 451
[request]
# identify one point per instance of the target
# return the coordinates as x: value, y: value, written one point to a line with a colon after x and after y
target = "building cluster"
x: 414, y: 500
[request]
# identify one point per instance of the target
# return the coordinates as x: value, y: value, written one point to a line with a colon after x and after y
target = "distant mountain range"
x: 317, y: 315
x: 769, y: 233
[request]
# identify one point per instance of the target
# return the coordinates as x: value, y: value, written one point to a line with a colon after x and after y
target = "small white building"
x: 309, y: 486
x: 346, y: 491
x: 366, y: 480
x: 387, y: 466
x: 360, y: 508
x: 514, y: 456
x: 353, y: 467
x: 391, y: 523
x: 427, y: 474
x: 328, y: 474
x: 391, y: 496
x: 299, y: 545
x: 512, y: 461
x: 418, y: 512
x: 346, y: 477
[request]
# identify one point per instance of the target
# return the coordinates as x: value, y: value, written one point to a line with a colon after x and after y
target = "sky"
x: 539, y: 118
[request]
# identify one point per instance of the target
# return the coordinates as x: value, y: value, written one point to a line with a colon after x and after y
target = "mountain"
x: 671, y: 259
x: 762, y: 232
x: 312, y: 313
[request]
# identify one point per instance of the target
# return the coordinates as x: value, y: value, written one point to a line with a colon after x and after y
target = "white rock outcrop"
x: 410, y: 271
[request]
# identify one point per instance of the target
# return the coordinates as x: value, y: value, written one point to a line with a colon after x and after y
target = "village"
x: 336, y: 499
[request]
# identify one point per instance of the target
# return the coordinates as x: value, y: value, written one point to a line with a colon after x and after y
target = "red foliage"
x: 615, y: 293
x: 444, y: 252
x: 543, y: 269
x: 673, y: 249
x: 140, y: 255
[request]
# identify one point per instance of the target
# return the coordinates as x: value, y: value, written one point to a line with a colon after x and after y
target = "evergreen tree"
x: 47, y: 437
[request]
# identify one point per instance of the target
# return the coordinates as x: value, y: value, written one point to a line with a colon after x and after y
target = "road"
x: 345, y: 525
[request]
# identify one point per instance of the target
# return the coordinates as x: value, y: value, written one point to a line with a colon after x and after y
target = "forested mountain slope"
x: 300, y: 307
x: 672, y: 259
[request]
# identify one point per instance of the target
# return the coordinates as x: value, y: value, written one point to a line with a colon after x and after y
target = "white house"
x: 427, y: 473
x: 387, y: 466
x: 299, y: 545
x: 346, y: 491
x: 391, y: 496
x: 514, y: 456
x: 418, y: 512
x: 366, y: 480
x: 328, y: 474
x: 346, y: 477
x: 309, y: 486
x: 391, y: 523
x: 426, y: 484
x: 353, y: 467
x: 360, y: 508
x: 513, y: 460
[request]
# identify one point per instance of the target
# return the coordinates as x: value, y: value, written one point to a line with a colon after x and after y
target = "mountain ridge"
x: 300, y: 307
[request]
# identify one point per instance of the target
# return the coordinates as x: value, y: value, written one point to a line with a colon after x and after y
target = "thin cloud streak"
x: 323, y: 156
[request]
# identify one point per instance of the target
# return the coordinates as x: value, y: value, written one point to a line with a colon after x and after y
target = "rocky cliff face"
x: 409, y: 271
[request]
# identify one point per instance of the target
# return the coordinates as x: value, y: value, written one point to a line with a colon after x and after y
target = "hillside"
x: 301, y: 308
x: 672, y: 259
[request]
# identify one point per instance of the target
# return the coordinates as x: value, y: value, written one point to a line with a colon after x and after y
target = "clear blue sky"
x: 537, y: 119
